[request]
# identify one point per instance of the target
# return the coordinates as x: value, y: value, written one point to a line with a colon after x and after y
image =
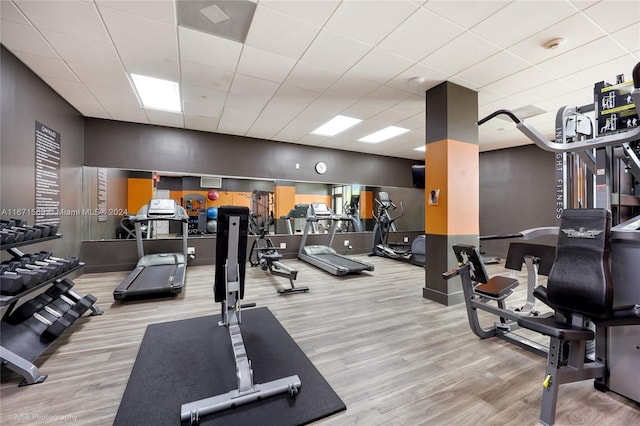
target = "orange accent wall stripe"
x: 452, y: 168
x: 139, y: 192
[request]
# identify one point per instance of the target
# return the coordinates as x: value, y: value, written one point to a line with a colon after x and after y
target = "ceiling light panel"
x: 384, y: 134
x: 156, y: 93
x: 337, y: 124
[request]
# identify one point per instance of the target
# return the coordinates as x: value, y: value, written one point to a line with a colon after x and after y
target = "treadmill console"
x: 161, y: 207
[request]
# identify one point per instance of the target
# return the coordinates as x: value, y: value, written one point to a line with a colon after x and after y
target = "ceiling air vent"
x: 210, y: 182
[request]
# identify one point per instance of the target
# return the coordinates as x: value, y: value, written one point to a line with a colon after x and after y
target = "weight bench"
x: 231, y: 249
x: 580, y: 290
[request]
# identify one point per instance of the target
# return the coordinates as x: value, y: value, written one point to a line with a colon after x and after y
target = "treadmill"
x: 156, y: 273
x: 325, y: 257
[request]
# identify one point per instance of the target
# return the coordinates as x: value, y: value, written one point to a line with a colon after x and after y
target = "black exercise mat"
x: 184, y: 361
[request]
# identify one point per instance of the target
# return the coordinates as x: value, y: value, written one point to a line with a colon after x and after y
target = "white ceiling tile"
x: 252, y: 87
x: 264, y: 65
x: 84, y: 51
x: 380, y: 66
x: 205, y: 124
x: 278, y: 33
x: 386, y: 97
x: 197, y: 94
x: 629, y: 37
x: 388, y: 118
x: 271, y: 121
x: 350, y: 87
x: 121, y: 105
x: 487, y: 95
x: 334, y: 52
x: 494, y: 68
x: 448, y: 58
x: 165, y: 118
x: 554, y: 88
x: 136, y: 62
x: 200, y: 75
x: 591, y: 54
x: 416, y: 122
x: 202, y: 109
x: 248, y: 103
x: 576, y: 31
x: 524, y: 18
x: 46, y: 66
x: 101, y: 76
x: 411, y: 105
x: 77, y: 18
x: 369, y: 21
x: 24, y: 38
x: 310, y: 77
x: 296, y: 96
x: 158, y: 10
x: 432, y: 77
x: 512, y: 84
x: 312, y: 11
x: 465, y: 13
x: 9, y: 12
x: 151, y: 37
x: 236, y: 122
x: 362, y: 110
x: 209, y: 50
x: 77, y: 95
x: 587, y: 78
x: 421, y: 34
x: 614, y: 15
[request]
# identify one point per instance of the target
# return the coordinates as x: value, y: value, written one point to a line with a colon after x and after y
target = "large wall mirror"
x: 110, y: 195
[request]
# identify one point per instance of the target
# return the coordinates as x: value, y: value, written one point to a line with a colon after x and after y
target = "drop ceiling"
x: 303, y: 61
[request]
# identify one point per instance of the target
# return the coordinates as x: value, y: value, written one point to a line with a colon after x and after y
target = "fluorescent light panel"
x: 156, y: 93
x: 337, y: 124
x: 422, y: 148
x: 384, y: 134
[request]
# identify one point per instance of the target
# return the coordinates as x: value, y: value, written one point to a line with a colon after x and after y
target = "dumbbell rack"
x: 22, y: 343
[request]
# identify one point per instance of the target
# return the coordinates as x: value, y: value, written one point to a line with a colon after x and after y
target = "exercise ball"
x: 213, y: 194
x: 212, y: 226
x: 212, y: 213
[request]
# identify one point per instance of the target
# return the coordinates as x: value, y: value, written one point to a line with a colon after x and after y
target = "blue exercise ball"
x: 212, y: 213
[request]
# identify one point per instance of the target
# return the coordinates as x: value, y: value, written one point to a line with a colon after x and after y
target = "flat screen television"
x: 418, y: 176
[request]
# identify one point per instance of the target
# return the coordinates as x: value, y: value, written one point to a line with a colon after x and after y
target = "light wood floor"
x: 394, y: 357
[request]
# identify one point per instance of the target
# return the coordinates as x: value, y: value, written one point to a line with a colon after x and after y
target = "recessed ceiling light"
x: 336, y: 125
x: 384, y: 134
x: 156, y: 93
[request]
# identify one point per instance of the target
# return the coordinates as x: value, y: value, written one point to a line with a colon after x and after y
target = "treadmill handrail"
x: 180, y: 214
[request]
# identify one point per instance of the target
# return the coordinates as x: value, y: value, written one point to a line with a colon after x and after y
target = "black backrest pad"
x: 222, y: 248
x: 478, y: 271
x: 517, y: 252
x: 580, y: 279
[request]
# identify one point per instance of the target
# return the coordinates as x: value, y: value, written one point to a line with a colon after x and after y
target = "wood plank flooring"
x: 394, y: 357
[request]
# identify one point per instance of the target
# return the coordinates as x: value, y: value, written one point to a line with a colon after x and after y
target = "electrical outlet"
x: 191, y: 250
x: 406, y: 239
x: 346, y: 243
x: 283, y: 245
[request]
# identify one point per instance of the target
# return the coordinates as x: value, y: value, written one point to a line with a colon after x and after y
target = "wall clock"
x: 321, y: 167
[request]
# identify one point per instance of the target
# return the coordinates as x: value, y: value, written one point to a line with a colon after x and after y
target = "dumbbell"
x: 10, y: 236
x: 64, y: 321
x: 40, y: 260
x: 70, y: 262
x: 28, y: 309
x: 23, y: 264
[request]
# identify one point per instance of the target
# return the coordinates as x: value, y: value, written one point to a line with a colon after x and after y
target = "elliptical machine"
x: 414, y: 253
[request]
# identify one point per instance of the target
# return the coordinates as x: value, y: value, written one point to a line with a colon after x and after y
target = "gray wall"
x: 143, y: 147
x: 517, y: 192
x: 25, y: 98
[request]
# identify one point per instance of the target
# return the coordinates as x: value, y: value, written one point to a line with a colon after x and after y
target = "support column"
x: 451, y: 185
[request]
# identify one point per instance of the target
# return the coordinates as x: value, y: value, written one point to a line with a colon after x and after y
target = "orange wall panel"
x: 285, y: 197
x: 453, y: 168
x: 139, y: 192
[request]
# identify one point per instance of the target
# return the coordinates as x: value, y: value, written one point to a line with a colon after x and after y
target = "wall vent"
x: 210, y: 182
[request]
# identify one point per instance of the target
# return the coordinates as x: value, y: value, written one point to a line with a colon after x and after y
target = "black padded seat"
x: 553, y: 328
x: 497, y: 288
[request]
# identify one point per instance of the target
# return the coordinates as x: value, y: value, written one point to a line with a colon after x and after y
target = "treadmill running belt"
x: 340, y: 261
x: 152, y: 278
